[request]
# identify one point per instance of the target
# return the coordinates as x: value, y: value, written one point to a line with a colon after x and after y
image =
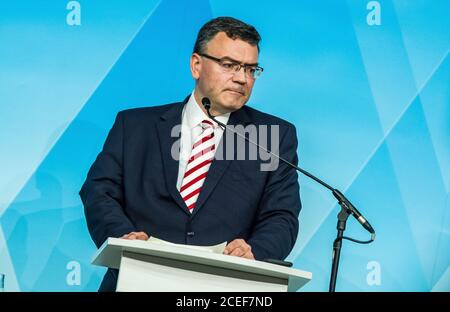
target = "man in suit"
x: 149, y: 182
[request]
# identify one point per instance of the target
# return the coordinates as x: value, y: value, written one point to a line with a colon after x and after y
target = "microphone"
x: 207, y: 105
x: 355, y: 213
x: 343, y: 201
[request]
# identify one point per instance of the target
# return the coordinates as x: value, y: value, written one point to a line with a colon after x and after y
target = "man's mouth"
x: 239, y: 92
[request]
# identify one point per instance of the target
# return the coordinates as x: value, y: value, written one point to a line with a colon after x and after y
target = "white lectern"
x: 147, y: 266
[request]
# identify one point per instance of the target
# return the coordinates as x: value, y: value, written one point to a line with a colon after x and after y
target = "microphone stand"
x: 347, y: 207
x: 337, y: 244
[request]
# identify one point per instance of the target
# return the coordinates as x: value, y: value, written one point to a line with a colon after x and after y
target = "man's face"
x: 228, y: 91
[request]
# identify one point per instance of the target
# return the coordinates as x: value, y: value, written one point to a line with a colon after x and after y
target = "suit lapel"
x: 165, y: 126
x: 219, y: 166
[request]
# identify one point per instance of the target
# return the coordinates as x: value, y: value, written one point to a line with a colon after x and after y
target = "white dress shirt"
x: 191, y: 118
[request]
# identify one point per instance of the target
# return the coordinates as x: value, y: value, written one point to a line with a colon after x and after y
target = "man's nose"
x: 240, y: 76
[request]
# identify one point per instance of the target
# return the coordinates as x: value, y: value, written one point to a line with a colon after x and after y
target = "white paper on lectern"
x: 219, y: 248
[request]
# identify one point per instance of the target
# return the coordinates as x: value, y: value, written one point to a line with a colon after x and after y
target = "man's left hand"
x: 239, y: 248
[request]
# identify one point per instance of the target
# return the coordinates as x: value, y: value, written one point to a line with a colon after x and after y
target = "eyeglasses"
x: 230, y: 66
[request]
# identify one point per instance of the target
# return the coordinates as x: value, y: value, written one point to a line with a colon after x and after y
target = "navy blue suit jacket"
x: 131, y: 186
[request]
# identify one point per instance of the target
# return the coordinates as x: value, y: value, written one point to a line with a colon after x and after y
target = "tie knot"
x: 205, y: 124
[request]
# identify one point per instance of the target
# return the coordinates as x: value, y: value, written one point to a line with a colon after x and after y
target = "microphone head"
x: 206, y: 103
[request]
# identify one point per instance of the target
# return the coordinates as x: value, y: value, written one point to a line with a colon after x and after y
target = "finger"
x: 141, y: 236
x: 242, y: 246
x: 238, y: 252
x: 230, y: 249
x: 244, y: 250
x: 132, y: 236
x: 249, y: 255
x: 233, y: 245
x: 126, y: 236
x: 241, y: 250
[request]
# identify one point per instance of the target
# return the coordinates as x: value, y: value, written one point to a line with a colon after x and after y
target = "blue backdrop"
x: 365, y: 82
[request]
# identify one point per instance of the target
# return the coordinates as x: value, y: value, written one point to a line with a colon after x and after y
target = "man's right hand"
x: 136, y: 235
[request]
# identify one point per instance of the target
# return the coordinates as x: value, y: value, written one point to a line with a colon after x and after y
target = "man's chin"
x: 233, y: 103
x: 232, y: 106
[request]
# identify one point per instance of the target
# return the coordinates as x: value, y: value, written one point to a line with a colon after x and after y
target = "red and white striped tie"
x: 202, y: 155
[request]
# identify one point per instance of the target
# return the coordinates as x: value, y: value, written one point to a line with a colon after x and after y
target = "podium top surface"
x: 110, y: 253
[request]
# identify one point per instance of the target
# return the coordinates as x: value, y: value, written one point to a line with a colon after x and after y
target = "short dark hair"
x: 234, y: 28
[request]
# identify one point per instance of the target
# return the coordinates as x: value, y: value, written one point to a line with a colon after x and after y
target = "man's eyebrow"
x: 236, y: 61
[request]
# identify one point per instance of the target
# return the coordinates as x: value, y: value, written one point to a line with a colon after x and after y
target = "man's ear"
x: 196, y: 65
